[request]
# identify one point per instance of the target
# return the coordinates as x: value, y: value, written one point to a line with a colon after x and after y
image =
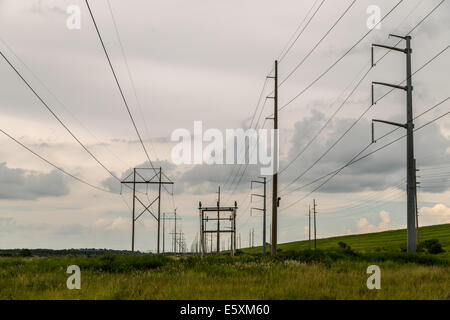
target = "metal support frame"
x: 205, y: 217
x: 138, y: 179
x: 264, y: 209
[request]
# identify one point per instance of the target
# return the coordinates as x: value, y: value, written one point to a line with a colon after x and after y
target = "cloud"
x: 168, y: 169
x: 437, y: 214
x: 364, y: 226
x: 379, y: 171
x: 21, y: 184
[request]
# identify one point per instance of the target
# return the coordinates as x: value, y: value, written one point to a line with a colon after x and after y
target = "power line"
x: 364, y: 76
x: 41, y: 82
x: 355, y: 159
x: 318, y: 43
x: 118, y: 84
x: 57, y: 118
x: 116, y: 28
x: 382, y: 137
x: 54, y: 165
x: 358, y: 119
x: 338, y: 60
x: 304, y: 28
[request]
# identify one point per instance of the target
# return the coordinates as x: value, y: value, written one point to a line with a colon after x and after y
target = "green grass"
x: 330, y: 272
x: 387, y: 240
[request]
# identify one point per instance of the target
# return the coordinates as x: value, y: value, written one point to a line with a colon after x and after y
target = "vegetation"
x: 379, y: 241
x: 335, y: 272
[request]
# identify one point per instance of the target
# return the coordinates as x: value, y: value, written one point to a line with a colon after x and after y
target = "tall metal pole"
x: 218, y: 222
x: 175, y: 213
x: 409, y: 126
x: 315, y: 225
x: 411, y: 215
x: 264, y: 219
x: 234, y: 232
x: 309, y: 229
x: 159, y: 208
x: 134, y: 206
x: 164, y: 230
x: 415, y: 199
x: 275, y: 175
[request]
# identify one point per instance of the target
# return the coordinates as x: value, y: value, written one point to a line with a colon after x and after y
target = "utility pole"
x: 275, y: 198
x: 315, y: 225
x: 415, y: 199
x: 409, y: 126
x: 253, y: 237
x: 240, y: 244
x: 175, y: 218
x: 159, y: 208
x: 139, y: 178
x: 309, y: 228
x: 218, y: 221
x: 264, y: 196
x: 270, y: 227
x: 134, y: 206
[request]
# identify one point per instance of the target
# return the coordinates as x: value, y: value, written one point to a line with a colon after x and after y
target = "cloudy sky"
x: 208, y: 61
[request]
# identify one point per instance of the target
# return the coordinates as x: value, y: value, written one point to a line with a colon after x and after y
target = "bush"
x: 343, y: 245
x: 433, y: 246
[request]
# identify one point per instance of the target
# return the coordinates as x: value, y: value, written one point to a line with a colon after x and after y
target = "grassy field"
x: 331, y: 272
x: 387, y: 240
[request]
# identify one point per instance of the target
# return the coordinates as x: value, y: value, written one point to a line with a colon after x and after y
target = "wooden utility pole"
x: 411, y: 219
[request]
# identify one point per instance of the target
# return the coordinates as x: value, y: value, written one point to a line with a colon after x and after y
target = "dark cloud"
x: 20, y: 184
x: 378, y: 172
x: 168, y: 169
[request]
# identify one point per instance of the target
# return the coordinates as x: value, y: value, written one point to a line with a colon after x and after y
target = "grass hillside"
x: 387, y: 240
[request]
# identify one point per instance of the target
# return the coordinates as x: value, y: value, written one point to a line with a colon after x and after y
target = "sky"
x: 184, y: 61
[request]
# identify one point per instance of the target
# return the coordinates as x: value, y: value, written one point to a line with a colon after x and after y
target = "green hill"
x: 387, y: 240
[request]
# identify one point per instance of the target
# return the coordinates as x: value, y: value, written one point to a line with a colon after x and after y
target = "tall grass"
x: 322, y: 274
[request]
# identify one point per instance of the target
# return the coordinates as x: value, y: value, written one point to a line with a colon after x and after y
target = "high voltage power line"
x: 118, y: 84
x: 323, y: 37
x: 283, y: 55
x: 357, y: 157
x: 54, y: 165
x: 338, y: 60
x: 357, y: 120
x: 57, y: 118
x: 318, y: 43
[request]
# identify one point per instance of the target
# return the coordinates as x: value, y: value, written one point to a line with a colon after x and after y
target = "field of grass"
x: 387, y: 240
x: 328, y: 273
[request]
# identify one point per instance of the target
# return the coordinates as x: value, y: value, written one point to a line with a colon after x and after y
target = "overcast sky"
x: 208, y: 60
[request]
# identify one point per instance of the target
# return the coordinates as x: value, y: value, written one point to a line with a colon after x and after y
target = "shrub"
x: 343, y: 245
x: 433, y: 246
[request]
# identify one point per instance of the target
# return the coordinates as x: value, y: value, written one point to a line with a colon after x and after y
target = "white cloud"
x: 365, y: 227
x: 438, y: 214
